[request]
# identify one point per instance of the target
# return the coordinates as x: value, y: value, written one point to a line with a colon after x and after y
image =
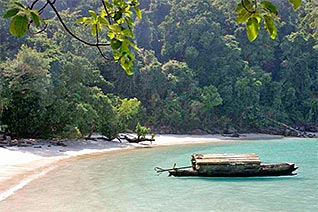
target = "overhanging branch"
x: 70, y: 32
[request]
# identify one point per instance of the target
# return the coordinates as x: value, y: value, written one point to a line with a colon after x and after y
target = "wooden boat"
x: 229, y: 165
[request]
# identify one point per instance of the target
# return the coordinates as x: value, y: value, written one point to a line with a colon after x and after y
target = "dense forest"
x: 196, y: 72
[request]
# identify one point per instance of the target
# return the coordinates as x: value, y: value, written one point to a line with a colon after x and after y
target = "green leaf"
x: 11, y: 13
x: 126, y: 64
x: 129, y: 21
x: 270, y: 26
x: 257, y: 15
x: 248, y: 7
x: 128, y: 33
x: 81, y: 20
x: 239, y: 8
x: 269, y: 7
x: 243, y: 14
x: 19, y: 25
x: 115, y: 44
x: 94, y: 29
x: 252, y: 29
x: 115, y: 28
x: 125, y: 46
x: 138, y: 12
x: 35, y: 18
x: 93, y: 14
x: 103, y: 20
x: 134, y: 46
x: 111, y: 35
x: 118, y: 15
x: 296, y: 3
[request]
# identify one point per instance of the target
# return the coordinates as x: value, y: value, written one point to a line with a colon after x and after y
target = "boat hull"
x: 263, y: 170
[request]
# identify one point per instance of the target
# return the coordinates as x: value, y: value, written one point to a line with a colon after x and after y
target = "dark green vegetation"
x: 196, y: 69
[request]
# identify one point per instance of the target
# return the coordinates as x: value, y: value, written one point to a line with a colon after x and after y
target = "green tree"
x: 27, y: 81
x: 116, y: 21
x: 299, y: 75
x: 78, y: 106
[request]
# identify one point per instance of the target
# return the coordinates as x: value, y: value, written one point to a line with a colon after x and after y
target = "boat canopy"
x: 219, y: 159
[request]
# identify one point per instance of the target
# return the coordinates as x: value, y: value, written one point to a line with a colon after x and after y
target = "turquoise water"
x: 125, y: 181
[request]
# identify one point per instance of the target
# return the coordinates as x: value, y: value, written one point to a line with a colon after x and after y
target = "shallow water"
x: 125, y: 181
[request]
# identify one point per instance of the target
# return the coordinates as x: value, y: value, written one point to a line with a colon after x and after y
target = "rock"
x: 60, y: 143
x: 235, y: 135
x: 311, y: 135
x: 287, y: 132
x: 7, y: 138
x: 14, y: 142
x: 23, y: 145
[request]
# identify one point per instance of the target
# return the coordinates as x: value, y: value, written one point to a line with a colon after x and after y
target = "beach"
x: 21, y: 165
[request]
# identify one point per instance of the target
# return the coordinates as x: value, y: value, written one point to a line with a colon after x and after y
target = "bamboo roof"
x: 217, y: 159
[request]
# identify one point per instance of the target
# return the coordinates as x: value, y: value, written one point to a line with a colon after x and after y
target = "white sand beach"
x: 21, y: 165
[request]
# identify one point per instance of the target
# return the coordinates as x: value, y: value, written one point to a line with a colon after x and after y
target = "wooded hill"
x: 196, y: 70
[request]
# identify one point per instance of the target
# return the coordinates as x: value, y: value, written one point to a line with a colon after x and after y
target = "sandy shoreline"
x: 21, y: 165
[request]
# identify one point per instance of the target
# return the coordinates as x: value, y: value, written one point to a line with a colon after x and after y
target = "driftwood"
x: 299, y: 133
x: 119, y: 138
x: 138, y: 139
x: 99, y: 138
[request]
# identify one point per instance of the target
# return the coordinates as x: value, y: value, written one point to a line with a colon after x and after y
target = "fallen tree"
x: 299, y: 132
x: 138, y: 139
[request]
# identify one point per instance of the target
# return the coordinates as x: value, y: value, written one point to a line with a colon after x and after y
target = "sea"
x: 125, y: 181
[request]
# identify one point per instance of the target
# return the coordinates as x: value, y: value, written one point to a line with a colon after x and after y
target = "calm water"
x: 125, y: 181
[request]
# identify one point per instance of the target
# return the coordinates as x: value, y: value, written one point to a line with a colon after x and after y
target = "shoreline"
x: 21, y: 165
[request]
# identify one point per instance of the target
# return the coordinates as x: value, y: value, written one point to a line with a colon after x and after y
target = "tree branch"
x: 42, y: 8
x: 99, y: 49
x: 33, y: 4
x: 108, y: 15
x: 38, y: 32
x: 69, y: 31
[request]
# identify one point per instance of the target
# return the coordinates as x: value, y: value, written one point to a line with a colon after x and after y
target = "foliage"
x: 141, y: 131
x: 112, y: 27
x: 196, y: 70
x: 210, y: 97
x: 27, y: 82
x: 115, y: 23
x: 252, y: 12
x: 127, y: 110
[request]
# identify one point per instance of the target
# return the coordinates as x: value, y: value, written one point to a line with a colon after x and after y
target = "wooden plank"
x: 220, y: 158
x: 225, y: 155
x: 226, y: 161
